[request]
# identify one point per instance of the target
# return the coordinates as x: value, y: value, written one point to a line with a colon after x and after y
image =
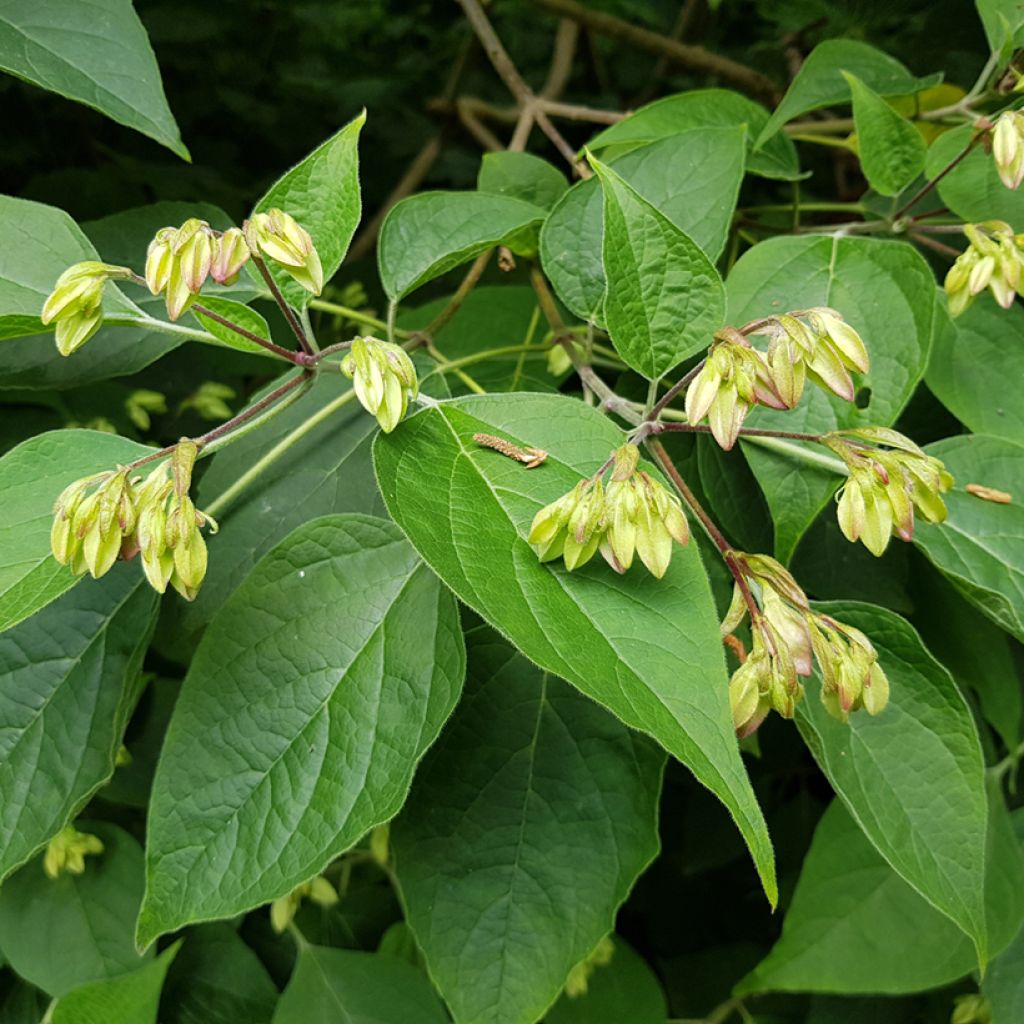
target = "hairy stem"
x: 298, y: 358
x: 289, y: 314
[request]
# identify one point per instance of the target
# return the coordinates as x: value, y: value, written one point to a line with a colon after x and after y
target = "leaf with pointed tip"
x: 891, y: 149
x: 913, y: 776
x: 341, y: 986
x: 70, y: 675
x: 649, y: 650
x: 426, y: 235
x: 97, y: 54
x: 309, y: 702
x: 692, y: 177
x: 31, y: 478
x: 525, y: 830
x: 820, y: 83
x: 705, y: 108
x: 884, y: 289
x: 322, y: 193
x: 664, y: 299
x: 59, y: 933
x: 980, y: 546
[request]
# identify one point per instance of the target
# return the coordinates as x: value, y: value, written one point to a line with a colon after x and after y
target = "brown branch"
x: 561, y: 59
x: 692, y: 58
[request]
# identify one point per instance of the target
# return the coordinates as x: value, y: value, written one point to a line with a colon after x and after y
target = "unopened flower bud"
x: 230, y: 254
x: 281, y: 238
x: 75, y: 304
x: 993, y: 260
x: 67, y: 851
x: 159, y: 257
x: 1008, y: 148
x: 971, y: 1009
x: 383, y: 378
x: 317, y: 889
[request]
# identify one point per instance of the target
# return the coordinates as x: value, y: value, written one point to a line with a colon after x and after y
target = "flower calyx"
x: 279, y: 236
x: 383, y: 377
x: 76, y: 303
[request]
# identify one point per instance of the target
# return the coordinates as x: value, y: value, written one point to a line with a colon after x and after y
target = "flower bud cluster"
x: 885, y: 486
x: 67, y: 851
x: 112, y: 514
x: 383, y: 377
x: 76, y: 302
x: 971, y: 1009
x: 633, y: 515
x: 786, y: 636
x: 993, y: 260
x: 1008, y: 147
x: 283, y: 910
x: 179, y: 260
x: 813, y: 343
x: 280, y: 237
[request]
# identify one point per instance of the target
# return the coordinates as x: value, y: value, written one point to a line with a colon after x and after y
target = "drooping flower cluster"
x: 108, y: 515
x: 280, y: 237
x: 993, y: 260
x: 814, y: 343
x: 67, y: 850
x: 885, y: 486
x: 1008, y: 147
x: 383, y: 378
x: 634, y: 515
x: 76, y: 302
x: 786, y: 637
x: 317, y: 889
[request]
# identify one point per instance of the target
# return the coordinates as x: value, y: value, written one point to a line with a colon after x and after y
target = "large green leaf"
x: 65, y: 932
x: 855, y: 926
x: 664, y: 298
x: 820, y: 83
x: 971, y: 362
x: 972, y: 189
x: 624, y: 990
x: 647, y: 649
x: 526, y: 828
x: 310, y: 700
x: 980, y: 546
x: 322, y: 193
x: 341, y: 986
x: 891, y: 149
x: 31, y: 478
x: 426, y: 235
x: 705, y: 108
x: 325, y: 469
x: 96, y: 53
x: 521, y: 176
x: 886, y: 291
x: 131, y: 998
x: 217, y: 979
x: 69, y: 683
x: 692, y: 177
x: 913, y: 777
x: 1004, y: 27
x: 1003, y: 986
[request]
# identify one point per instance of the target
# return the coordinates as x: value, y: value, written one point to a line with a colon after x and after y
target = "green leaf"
x: 521, y: 176
x: 324, y: 468
x: 127, y: 999
x: 855, y: 926
x: 239, y: 314
x: 664, y: 298
x: 97, y: 54
x: 646, y: 649
x: 972, y: 190
x: 1003, y: 985
x: 820, y: 83
x: 1004, y: 27
x: 625, y: 989
x: 217, y: 979
x: 341, y: 986
x: 322, y: 193
x: 913, y: 777
x: 31, y: 478
x: 426, y: 235
x: 70, y: 676
x: 980, y: 546
x: 325, y: 677
x: 705, y: 108
x: 885, y: 290
x: 973, y: 358
x: 526, y: 829
x: 891, y: 149
x: 64, y: 932
x: 692, y: 177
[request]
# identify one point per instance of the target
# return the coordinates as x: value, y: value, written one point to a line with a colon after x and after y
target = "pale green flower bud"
x: 75, y: 303
x: 971, y: 1009
x: 159, y: 258
x: 1008, y: 148
x: 230, y: 254
x: 383, y: 378
x: 833, y: 330
x: 584, y: 528
x: 548, y: 530
x: 828, y: 371
x: 317, y: 889
x: 702, y: 391
x: 578, y: 981
x: 281, y: 238
x: 791, y: 628
x: 67, y: 851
